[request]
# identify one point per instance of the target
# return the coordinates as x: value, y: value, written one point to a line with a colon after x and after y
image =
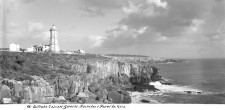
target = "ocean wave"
x: 165, y: 90
x: 136, y: 97
x: 177, y: 89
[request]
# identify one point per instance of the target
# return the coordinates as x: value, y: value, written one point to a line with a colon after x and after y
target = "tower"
x: 54, y: 45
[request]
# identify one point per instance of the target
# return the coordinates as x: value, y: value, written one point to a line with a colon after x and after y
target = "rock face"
x: 39, y: 91
x: 155, y: 75
x: 79, y: 67
x: 70, y: 86
x: 5, y: 91
x: 84, y: 87
x: 140, y: 58
x: 60, y: 100
x: 102, y: 68
x: 6, y: 101
x: 117, y: 97
x: 102, y: 80
x: 143, y: 74
x: 139, y: 74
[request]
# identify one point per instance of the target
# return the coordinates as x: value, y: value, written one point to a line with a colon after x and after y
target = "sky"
x: 159, y: 28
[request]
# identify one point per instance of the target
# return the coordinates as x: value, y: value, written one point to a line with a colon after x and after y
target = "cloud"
x: 144, y: 8
x: 35, y: 27
x: 170, y: 19
x: 142, y: 30
x: 27, y: 1
x: 161, y: 38
x: 192, y: 25
x: 125, y: 31
x: 131, y: 8
x: 218, y: 35
x: 96, y: 40
x: 11, y: 5
x: 158, y: 3
x: 27, y: 34
x: 196, y: 25
x: 45, y: 36
x: 100, y: 7
x: 37, y: 30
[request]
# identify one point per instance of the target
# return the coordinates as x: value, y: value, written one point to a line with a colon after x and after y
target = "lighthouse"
x: 54, y: 44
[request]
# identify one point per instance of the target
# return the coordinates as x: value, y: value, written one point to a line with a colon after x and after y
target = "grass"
x: 20, y: 65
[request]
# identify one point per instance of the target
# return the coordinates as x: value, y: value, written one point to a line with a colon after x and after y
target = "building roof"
x: 40, y: 45
x: 53, y: 28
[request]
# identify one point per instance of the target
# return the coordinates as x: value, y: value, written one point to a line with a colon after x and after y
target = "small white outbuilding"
x: 81, y: 51
x: 14, y: 47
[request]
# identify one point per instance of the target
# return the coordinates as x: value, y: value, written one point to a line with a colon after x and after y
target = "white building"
x: 41, y: 48
x: 81, y: 51
x: 46, y: 48
x: 30, y: 49
x: 14, y: 47
x: 54, y: 45
x: 69, y: 52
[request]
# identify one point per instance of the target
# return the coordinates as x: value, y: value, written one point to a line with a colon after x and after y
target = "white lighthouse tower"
x: 54, y: 45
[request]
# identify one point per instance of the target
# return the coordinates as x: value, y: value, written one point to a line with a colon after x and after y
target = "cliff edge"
x: 61, y: 78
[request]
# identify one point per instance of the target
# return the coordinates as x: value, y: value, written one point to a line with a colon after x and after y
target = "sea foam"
x: 175, y: 88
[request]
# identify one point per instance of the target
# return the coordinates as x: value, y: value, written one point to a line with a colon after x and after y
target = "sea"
x: 205, y: 75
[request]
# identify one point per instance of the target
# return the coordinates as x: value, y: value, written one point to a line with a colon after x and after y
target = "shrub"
x: 20, y: 60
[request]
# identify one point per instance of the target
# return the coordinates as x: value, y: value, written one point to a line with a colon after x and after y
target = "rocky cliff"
x: 58, y: 78
x: 141, y: 59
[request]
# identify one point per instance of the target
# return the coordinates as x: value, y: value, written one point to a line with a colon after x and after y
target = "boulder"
x: 106, y: 101
x: 145, y: 101
x: 82, y: 100
x: 26, y: 94
x: 18, y: 86
x: 6, y: 101
x: 156, y: 77
x: 144, y: 88
x: 5, y: 91
x: 163, y: 82
x: 60, y: 100
x: 82, y: 95
x: 74, y: 99
x: 116, y: 97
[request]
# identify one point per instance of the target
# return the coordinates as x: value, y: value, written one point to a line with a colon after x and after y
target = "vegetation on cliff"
x: 20, y: 66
